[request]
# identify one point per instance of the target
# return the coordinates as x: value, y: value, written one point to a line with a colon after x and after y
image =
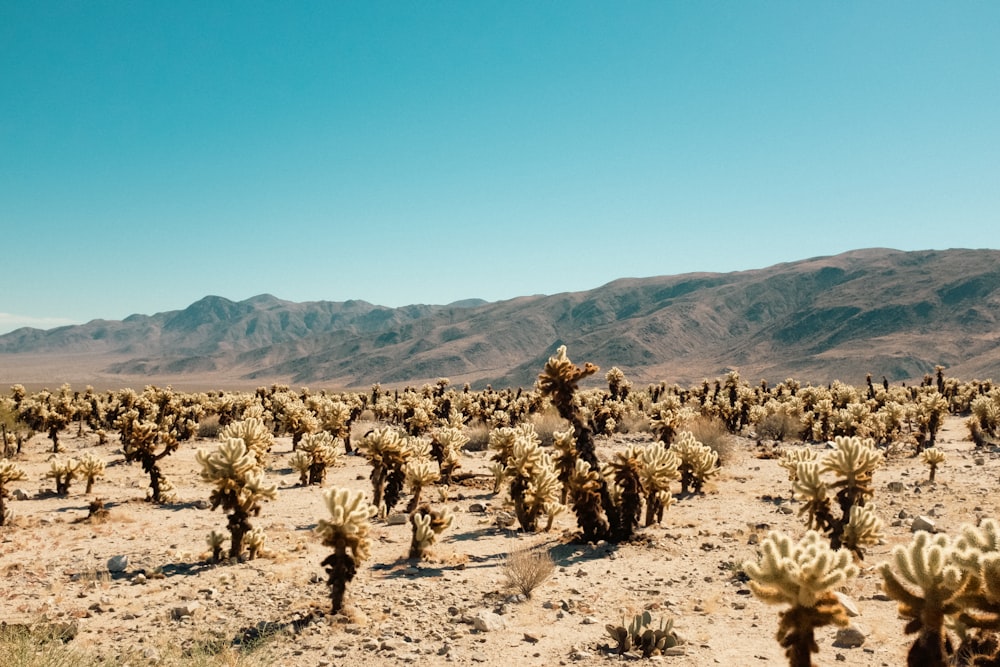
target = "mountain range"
x: 880, y: 311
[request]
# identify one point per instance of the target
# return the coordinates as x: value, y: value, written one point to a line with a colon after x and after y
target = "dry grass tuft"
x: 712, y: 432
x: 527, y: 569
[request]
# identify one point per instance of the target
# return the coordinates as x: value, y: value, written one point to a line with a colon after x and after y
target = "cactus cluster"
x: 316, y: 452
x: 640, y: 634
x: 427, y: 524
x: 9, y: 472
x: 697, y: 462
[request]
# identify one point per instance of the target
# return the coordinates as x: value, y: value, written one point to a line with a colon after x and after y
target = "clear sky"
x: 152, y: 153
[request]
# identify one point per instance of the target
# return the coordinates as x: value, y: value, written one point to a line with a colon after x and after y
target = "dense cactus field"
x: 576, y: 521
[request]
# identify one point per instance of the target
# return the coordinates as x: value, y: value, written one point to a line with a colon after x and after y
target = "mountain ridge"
x: 883, y: 311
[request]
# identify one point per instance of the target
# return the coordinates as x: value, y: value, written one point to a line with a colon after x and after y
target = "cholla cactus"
x: 698, y: 463
x: 585, y: 494
x: 255, y: 435
x: 534, y: 482
x: 239, y: 487
x: 446, y: 449
x: 144, y: 441
x: 790, y: 459
x: 254, y: 539
x: 63, y: 472
x: 658, y: 466
x: 321, y: 450
x: 388, y: 453
x: 639, y: 633
x: 854, y: 461
x: 932, y: 457
x: 862, y: 528
x: 9, y: 472
x: 928, y: 585
x: 216, y: 541
x: 346, y: 532
x: 419, y: 473
x: 802, y: 575
x: 427, y: 525
x: 91, y: 468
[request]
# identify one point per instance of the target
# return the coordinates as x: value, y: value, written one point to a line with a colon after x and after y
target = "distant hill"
x: 886, y: 312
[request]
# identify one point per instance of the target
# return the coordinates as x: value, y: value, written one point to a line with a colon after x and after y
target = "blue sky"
x: 152, y: 153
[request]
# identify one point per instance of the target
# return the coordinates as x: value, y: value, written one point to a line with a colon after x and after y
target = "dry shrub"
x: 712, y: 432
x: 526, y: 569
x: 546, y: 424
x: 208, y: 428
x: 779, y: 426
x: 479, y: 437
x: 634, y: 423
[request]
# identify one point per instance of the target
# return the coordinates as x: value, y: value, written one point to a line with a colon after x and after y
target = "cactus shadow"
x: 571, y: 553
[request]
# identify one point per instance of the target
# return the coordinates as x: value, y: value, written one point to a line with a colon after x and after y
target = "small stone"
x: 477, y: 508
x: 185, y: 611
x: 19, y: 494
x: 848, y: 604
x: 117, y: 564
x: 849, y: 637
x: 487, y: 621
x: 397, y: 519
x: 530, y: 638
x: 895, y: 487
x: 139, y: 579
x: 924, y: 523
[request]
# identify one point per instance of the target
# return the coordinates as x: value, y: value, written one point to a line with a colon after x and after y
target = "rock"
x: 397, y: 519
x: 848, y: 604
x: 487, y: 621
x: 477, y: 508
x: 19, y: 494
x: 185, y: 611
x: 922, y: 523
x: 504, y: 519
x: 895, y: 487
x: 849, y: 637
x: 117, y: 564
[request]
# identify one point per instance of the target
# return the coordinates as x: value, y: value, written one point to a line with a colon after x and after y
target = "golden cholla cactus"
x: 91, y: 468
x: 446, y: 449
x: 560, y: 379
x: 932, y: 457
x: 255, y: 435
x: 790, y: 459
x: 929, y: 585
x: 216, y: 541
x: 63, y: 472
x: 977, y: 553
x: 420, y: 472
x: 301, y: 462
x: 862, y: 528
x: 427, y: 525
x: 387, y: 452
x: 534, y: 481
x: 254, y: 540
x: 585, y: 497
x: 9, y: 472
x: 346, y: 532
x: 321, y: 448
x: 810, y: 488
x: 854, y: 461
x: 802, y: 575
x: 239, y: 487
x: 698, y: 463
x: 658, y: 466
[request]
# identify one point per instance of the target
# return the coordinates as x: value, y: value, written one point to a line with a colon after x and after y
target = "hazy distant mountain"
x: 882, y: 311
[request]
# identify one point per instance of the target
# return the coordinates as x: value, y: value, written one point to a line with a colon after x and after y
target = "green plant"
x: 239, y: 487
x: 346, y: 532
x: 802, y: 575
x: 640, y: 634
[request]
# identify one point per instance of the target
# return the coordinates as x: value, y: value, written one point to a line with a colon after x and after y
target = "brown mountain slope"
x: 882, y: 311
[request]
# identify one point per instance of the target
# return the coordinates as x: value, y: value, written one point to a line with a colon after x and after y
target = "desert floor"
x: 54, y: 566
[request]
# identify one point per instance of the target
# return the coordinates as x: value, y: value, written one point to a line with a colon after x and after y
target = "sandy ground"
x: 55, y: 566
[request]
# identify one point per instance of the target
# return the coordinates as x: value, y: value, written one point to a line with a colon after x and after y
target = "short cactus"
x: 346, y: 531
x: 9, y: 472
x: 932, y: 457
x: 63, y: 472
x: 427, y: 525
x: 698, y: 463
x: 802, y: 575
x: 640, y: 634
x: 91, y: 468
